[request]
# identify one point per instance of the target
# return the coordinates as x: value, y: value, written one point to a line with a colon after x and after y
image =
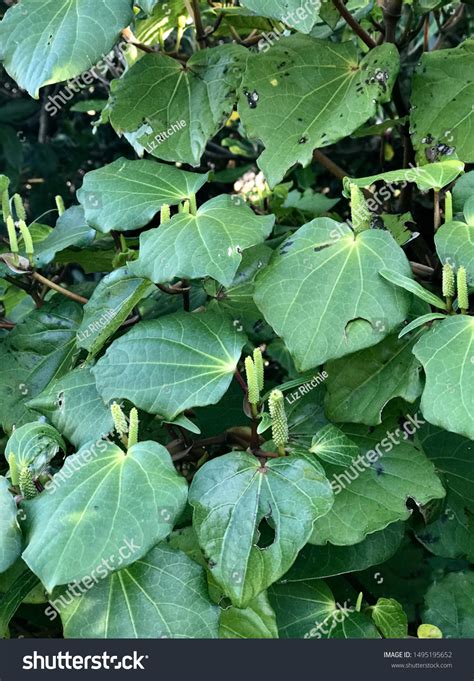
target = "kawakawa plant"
x: 216, y: 262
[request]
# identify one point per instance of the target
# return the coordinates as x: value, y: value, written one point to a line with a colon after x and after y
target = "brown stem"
x: 436, y: 211
x: 4, y: 324
x: 200, y: 32
x: 354, y: 24
x: 50, y: 284
x: 241, y: 381
x: 426, y: 33
x: 325, y: 161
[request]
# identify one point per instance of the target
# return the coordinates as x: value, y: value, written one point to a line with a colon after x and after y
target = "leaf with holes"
x: 252, y: 519
x: 75, y: 408
x: 372, y: 493
x: 360, y: 385
x: 442, y: 117
x: 304, y: 94
x: 34, y: 445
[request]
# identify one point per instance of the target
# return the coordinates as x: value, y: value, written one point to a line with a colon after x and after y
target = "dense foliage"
x: 236, y: 339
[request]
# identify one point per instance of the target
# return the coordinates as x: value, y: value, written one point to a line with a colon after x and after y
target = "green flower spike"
x: 120, y: 421
x: 27, y: 240
x: 276, y: 405
x: 12, y: 235
x: 133, y: 433
x: 252, y: 382
x: 5, y: 206
x: 165, y: 213
x: 27, y: 486
x: 19, y: 207
x: 259, y: 367
x: 60, y: 205
x: 448, y: 282
x: 360, y: 213
x: 463, y: 296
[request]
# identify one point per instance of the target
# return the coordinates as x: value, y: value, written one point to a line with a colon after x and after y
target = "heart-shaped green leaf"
x: 48, y: 41
x: 157, y: 368
x: 446, y: 352
x: 162, y: 595
x: 209, y: 243
x: 105, y: 506
x: 10, y: 535
x: 171, y: 110
x: 125, y: 195
x: 237, y: 500
x: 390, y: 618
x: 338, y: 271
x: 305, y: 93
x: 303, y: 610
